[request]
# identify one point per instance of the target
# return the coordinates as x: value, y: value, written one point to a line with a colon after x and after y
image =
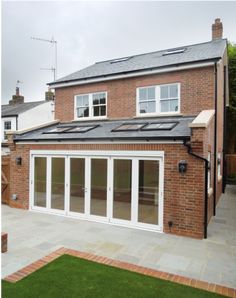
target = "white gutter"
x: 130, y: 75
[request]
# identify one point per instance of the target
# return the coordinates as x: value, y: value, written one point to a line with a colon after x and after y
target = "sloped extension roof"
x: 104, y: 130
x: 16, y: 109
x: 149, y: 61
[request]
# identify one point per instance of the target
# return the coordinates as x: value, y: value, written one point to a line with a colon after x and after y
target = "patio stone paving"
x: 32, y: 236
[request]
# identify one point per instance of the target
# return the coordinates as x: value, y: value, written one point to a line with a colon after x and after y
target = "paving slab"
x: 32, y: 235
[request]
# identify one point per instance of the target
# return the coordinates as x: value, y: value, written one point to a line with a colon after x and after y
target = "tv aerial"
x: 54, y: 43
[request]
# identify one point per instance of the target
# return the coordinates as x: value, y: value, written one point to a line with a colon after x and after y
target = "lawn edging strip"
x: 211, y: 287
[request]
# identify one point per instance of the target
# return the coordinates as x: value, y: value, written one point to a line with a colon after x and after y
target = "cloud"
x: 93, y: 31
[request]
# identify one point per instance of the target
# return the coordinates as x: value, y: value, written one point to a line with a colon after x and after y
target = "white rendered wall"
x: 5, y: 151
x: 36, y: 116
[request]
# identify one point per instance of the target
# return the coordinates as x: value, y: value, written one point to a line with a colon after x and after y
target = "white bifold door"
x: 119, y: 189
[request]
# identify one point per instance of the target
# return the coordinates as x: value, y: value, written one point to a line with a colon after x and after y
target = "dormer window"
x: 158, y: 99
x: 92, y: 105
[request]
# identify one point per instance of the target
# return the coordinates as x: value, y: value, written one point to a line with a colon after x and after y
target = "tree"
x: 231, y: 110
x: 232, y: 74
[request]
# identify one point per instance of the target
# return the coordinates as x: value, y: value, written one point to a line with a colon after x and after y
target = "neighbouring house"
x: 20, y: 115
x: 139, y: 142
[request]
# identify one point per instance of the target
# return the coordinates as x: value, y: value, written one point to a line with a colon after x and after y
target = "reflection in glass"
x: 148, y: 191
x: 40, y: 181
x: 98, y: 187
x: 58, y: 183
x: 148, y: 107
x: 122, y: 189
x: 77, y: 175
x: 169, y: 105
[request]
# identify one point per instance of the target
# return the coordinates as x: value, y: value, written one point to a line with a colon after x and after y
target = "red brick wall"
x: 202, y: 141
x: 197, y: 93
x: 183, y: 194
x: 220, y: 115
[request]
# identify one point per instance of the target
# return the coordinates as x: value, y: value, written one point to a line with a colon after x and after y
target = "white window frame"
x: 158, y: 100
x: 7, y: 121
x: 219, y: 165
x: 4, y: 130
x: 90, y: 117
x: 209, y: 171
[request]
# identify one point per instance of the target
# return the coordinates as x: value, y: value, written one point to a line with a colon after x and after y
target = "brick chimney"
x: 217, y: 29
x: 17, y: 98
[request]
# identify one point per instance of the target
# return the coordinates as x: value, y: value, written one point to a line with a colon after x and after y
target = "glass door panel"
x: 148, y: 191
x: 58, y: 183
x: 77, y: 184
x: 40, y: 181
x: 98, y: 187
x: 122, y: 183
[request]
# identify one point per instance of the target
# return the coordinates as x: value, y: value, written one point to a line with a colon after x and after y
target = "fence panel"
x: 231, y: 168
x: 5, y: 179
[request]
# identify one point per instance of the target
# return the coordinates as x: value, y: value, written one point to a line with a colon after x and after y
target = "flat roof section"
x: 173, y: 128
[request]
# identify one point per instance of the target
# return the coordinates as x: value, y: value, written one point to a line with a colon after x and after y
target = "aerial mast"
x: 54, y: 43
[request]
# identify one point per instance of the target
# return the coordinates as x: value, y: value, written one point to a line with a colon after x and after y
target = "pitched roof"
x: 192, y: 53
x: 104, y: 130
x: 16, y: 109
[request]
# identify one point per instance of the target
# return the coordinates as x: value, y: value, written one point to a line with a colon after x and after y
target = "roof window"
x: 174, y: 51
x: 160, y: 126
x: 58, y: 129
x: 129, y: 127
x: 120, y: 59
x: 81, y: 129
x: 71, y: 129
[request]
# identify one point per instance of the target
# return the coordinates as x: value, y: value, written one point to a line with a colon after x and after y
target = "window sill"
x: 210, y: 191
x: 157, y: 115
x: 89, y: 119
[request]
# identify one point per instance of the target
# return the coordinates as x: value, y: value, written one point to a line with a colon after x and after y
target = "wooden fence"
x: 230, y: 168
x: 231, y: 164
x: 5, y: 179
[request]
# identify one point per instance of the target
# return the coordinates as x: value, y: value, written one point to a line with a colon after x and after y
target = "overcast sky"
x: 87, y: 32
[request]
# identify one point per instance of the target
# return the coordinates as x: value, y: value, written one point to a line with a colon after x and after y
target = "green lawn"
x: 72, y: 277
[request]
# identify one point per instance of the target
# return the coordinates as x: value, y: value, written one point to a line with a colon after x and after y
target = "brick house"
x: 139, y: 142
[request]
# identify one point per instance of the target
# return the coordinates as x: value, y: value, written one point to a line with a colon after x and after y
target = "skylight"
x: 160, y: 126
x: 174, y: 51
x: 59, y: 129
x: 129, y: 127
x: 81, y: 129
x: 70, y: 129
x: 120, y: 59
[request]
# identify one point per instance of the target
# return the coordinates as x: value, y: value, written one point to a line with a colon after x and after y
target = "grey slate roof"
x: 193, y: 53
x: 16, y: 109
x: 104, y: 131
